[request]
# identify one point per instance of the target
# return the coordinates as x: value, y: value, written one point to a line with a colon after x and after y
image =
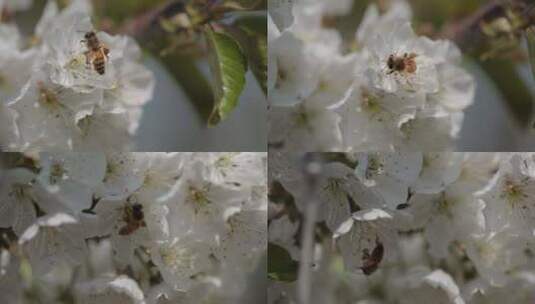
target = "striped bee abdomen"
x: 99, y: 65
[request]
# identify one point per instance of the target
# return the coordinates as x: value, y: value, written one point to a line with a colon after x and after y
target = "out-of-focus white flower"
x: 15, y: 5
x: 15, y: 64
x: 121, y: 289
x: 11, y: 37
x: 469, y: 213
x: 53, y: 240
x: 437, y: 285
x: 282, y: 232
x: 294, y: 76
x: 496, y: 254
x: 439, y: 170
x: 374, y: 22
x: 280, y: 12
x: 304, y: 127
x: 16, y: 200
x: 445, y: 218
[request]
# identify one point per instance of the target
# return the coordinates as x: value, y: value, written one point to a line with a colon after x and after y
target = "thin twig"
x: 147, y: 21
x: 312, y: 170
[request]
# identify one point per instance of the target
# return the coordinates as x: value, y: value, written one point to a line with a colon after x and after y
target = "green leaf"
x: 530, y: 36
x: 281, y: 266
x: 253, y: 39
x: 228, y: 65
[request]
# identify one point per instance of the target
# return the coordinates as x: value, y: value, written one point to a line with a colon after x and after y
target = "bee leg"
x: 124, y: 230
x: 88, y: 56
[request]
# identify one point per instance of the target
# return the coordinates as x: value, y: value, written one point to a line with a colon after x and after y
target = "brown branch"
x: 146, y: 23
x: 467, y: 34
x: 149, y: 21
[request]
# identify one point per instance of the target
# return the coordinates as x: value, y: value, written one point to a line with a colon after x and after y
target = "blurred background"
x: 493, y: 37
x: 171, y: 122
x: 176, y: 119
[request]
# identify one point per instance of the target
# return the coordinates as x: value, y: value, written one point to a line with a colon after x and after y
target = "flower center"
x: 57, y: 173
x: 513, y: 192
x: 334, y: 187
x: 198, y: 197
x: 302, y: 117
x: 444, y: 206
x: 177, y: 257
x: 323, y: 86
x: 224, y: 161
x: 47, y: 97
x: 282, y: 76
x: 111, y: 168
x: 375, y: 167
x: 370, y: 102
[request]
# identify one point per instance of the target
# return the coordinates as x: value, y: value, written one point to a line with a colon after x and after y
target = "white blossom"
x: 410, y: 227
x: 54, y: 99
x: 393, y: 91
x: 132, y: 227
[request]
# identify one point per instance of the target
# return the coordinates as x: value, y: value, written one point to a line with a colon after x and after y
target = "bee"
x: 402, y: 64
x: 370, y: 262
x: 97, y: 53
x: 134, y: 218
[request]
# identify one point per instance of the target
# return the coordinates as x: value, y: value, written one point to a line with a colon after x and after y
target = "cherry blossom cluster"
x: 51, y: 95
x: 387, y: 89
x: 406, y: 227
x: 132, y: 227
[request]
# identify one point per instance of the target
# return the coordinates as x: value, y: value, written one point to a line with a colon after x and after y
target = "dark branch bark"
x: 147, y: 23
x: 467, y: 33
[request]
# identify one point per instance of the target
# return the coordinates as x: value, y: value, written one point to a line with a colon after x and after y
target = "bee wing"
x: 89, y: 57
x: 106, y: 51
